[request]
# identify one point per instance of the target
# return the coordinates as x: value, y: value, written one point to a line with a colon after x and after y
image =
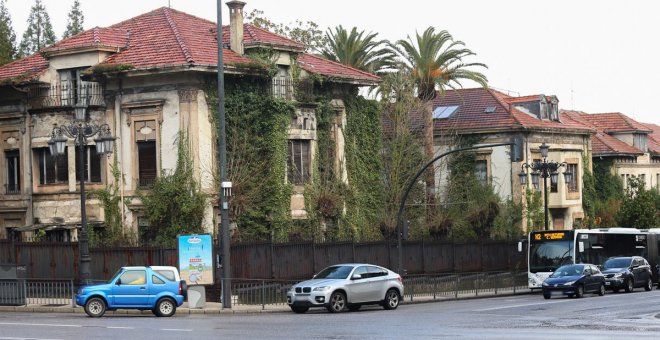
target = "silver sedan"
x: 347, y: 286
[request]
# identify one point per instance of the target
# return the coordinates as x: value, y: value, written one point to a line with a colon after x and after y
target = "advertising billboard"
x: 196, y: 259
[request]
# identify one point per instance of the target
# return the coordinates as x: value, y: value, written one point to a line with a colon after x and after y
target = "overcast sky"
x: 594, y: 55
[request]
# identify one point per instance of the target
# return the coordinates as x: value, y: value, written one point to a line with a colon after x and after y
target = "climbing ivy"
x: 256, y: 126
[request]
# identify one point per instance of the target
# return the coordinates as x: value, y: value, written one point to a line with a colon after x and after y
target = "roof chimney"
x: 236, y: 25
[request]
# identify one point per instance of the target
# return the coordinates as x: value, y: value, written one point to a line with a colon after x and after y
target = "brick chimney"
x: 236, y: 26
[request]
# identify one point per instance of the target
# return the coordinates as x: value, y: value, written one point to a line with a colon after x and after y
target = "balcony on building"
x: 65, y: 94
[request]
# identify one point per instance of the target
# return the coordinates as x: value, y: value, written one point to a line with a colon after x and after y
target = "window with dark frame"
x: 147, y: 169
x: 481, y: 171
x: 13, y: 173
x: 298, y: 161
x: 573, y: 184
x: 92, y: 161
x: 53, y: 169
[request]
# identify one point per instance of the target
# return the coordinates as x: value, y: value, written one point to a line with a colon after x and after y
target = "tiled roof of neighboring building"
x: 603, y: 143
x: 166, y: 37
x: 654, y: 138
x: 481, y: 109
x: 615, y: 122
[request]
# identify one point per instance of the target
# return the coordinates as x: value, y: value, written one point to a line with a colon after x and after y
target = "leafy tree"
x: 175, y: 204
x: 436, y: 61
x: 638, y: 208
x: 39, y: 32
x: 7, y: 35
x: 307, y: 32
x: 358, y: 50
x: 74, y: 24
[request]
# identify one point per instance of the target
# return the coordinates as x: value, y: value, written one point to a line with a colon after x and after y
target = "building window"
x: 481, y: 171
x: 639, y: 141
x: 13, y: 173
x: 72, y: 88
x: 573, y: 184
x: 147, y: 170
x: 92, y: 162
x: 298, y: 161
x: 52, y: 169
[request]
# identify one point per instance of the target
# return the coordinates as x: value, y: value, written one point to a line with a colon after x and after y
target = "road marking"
x: 525, y: 305
x: 176, y: 329
x: 119, y: 327
x: 7, y: 338
x: 38, y: 324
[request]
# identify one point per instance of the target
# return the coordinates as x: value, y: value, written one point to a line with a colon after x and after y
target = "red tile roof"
x: 654, y: 138
x: 25, y: 69
x: 325, y: 67
x: 603, y: 143
x: 615, y: 122
x: 471, y: 116
x: 166, y: 37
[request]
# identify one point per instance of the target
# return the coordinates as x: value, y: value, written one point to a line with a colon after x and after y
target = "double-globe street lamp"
x: 544, y: 169
x: 80, y: 129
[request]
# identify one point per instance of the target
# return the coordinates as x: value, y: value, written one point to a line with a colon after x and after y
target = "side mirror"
x: 581, y: 247
x: 118, y: 283
x: 519, y: 246
x: 356, y: 277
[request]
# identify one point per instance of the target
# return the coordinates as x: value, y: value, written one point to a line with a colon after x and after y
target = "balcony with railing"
x: 286, y: 88
x: 66, y: 93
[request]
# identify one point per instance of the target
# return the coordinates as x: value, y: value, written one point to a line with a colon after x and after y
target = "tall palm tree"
x: 436, y: 62
x: 358, y: 49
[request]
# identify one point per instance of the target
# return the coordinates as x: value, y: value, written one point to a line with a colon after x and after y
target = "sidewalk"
x: 216, y: 307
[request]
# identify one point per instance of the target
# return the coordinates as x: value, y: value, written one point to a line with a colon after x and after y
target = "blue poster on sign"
x: 196, y: 259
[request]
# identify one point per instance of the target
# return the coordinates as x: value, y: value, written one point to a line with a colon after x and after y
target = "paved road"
x: 635, y: 315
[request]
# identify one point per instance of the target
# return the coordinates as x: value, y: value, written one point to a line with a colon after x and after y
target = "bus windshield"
x: 550, y: 255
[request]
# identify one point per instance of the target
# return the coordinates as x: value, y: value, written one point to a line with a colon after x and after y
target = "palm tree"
x: 436, y: 62
x: 358, y: 50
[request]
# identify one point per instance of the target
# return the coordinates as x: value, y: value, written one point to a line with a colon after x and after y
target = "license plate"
x: 608, y: 283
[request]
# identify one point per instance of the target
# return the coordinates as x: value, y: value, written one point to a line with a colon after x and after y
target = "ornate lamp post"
x: 80, y: 130
x: 543, y: 169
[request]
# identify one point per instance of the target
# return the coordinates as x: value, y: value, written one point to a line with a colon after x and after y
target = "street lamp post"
x: 543, y: 169
x: 80, y: 130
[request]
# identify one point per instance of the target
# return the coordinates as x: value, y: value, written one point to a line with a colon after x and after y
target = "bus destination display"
x: 550, y: 236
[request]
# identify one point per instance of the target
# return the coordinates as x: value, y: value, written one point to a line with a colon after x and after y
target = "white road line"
x: 176, y: 330
x: 38, y: 324
x: 119, y: 327
x: 7, y: 338
x: 525, y: 305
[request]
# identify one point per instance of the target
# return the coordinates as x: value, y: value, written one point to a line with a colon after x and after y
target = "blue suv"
x: 158, y: 289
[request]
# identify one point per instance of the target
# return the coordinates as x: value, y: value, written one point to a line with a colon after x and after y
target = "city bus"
x: 548, y: 250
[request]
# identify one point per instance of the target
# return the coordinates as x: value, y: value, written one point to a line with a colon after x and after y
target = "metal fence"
x: 37, y: 292
x: 416, y: 288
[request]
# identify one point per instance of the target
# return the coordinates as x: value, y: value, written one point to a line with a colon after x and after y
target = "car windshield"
x: 334, y: 272
x: 621, y: 262
x: 572, y: 270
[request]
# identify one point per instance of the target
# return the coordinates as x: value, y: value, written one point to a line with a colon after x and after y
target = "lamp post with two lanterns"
x: 80, y: 130
x: 544, y: 169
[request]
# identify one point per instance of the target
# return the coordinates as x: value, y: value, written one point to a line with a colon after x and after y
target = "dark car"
x: 627, y: 273
x: 574, y: 280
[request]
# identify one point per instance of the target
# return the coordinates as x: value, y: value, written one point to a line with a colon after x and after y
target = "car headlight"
x: 569, y: 283
x: 544, y: 284
x: 321, y: 289
x: 617, y: 275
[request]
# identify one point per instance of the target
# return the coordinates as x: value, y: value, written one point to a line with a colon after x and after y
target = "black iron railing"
x: 66, y: 94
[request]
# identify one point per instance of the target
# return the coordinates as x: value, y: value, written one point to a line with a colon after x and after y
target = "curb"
x: 242, y: 309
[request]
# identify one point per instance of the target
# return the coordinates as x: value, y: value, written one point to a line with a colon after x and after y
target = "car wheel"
x: 337, y: 302
x: 165, y: 307
x: 95, y: 307
x: 392, y: 299
x: 299, y: 309
x: 649, y: 285
x: 629, y: 285
x: 547, y: 296
x: 580, y: 291
x: 354, y: 308
x: 601, y: 291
